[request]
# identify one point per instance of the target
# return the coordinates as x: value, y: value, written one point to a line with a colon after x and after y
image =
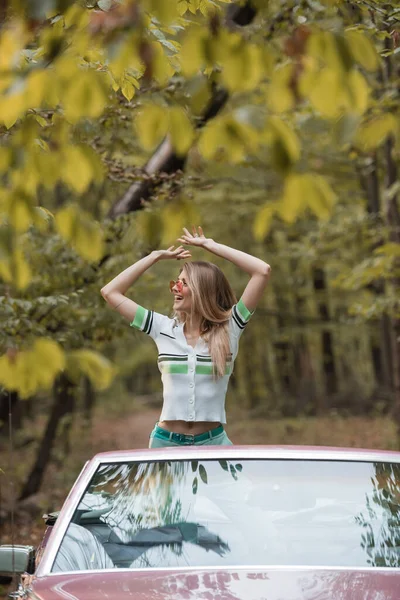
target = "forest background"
x: 273, y: 124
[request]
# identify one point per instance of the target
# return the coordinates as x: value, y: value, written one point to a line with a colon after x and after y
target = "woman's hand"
x: 197, y: 238
x: 179, y: 253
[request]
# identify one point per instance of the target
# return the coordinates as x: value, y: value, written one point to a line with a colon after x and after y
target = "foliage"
x: 88, y: 89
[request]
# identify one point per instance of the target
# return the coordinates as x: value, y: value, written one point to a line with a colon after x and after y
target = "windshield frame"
x: 314, y: 454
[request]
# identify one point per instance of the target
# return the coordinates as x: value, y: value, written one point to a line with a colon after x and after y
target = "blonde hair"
x: 212, y: 298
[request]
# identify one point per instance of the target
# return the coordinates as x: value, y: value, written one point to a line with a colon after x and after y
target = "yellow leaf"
x: 151, y: 125
x: 263, y: 220
x: 362, y: 49
x: 331, y: 49
x: 6, y: 157
x: 279, y: 95
x: 227, y: 136
x: 326, y: 93
x: 49, y: 360
x: 21, y: 271
x: 198, y: 91
x: 373, y: 133
x: 321, y: 197
x: 162, y: 68
x: 12, y: 107
x: 86, y: 96
x: 303, y: 191
x: 128, y: 90
x: 29, y: 371
x: 295, y: 197
x: 19, y: 209
x: 285, y: 139
x: 37, y: 87
x: 357, y: 92
x: 241, y: 62
x: 95, y: 366
x: 76, y: 169
x: 12, y: 41
x: 180, y: 130
x: 175, y: 216
x: 79, y: 230
x: 196, y: 51
x: 183, y: 6
x: 164, y: 11
x: 150, y: 227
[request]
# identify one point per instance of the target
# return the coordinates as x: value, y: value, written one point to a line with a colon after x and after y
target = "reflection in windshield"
x: 259, y: 512
x: 381, y: 521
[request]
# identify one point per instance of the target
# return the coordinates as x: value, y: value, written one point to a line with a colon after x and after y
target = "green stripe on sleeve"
x: 139, y: 318
x: 243, y: 311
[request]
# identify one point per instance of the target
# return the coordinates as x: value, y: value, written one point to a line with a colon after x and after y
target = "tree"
x: 200, y: 89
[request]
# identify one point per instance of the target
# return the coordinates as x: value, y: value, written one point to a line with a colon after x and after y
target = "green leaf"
x: 233, y: 472
x: 195, y: 485
x: 239, y: 467
x: 194, y: 464
x: 203, y: 473
x: 224, y: 464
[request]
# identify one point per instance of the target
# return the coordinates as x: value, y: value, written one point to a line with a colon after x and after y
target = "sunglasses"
x: 178, y: 284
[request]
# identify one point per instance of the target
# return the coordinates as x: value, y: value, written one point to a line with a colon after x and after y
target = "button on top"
x: 191, y: 400
x: 191, y: 384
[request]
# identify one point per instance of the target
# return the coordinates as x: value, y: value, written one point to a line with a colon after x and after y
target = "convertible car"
x: 221, y: 523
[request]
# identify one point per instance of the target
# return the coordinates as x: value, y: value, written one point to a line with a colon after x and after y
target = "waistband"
x: 188, y: 438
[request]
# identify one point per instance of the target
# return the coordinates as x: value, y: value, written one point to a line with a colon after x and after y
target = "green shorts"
x: 161, y: 438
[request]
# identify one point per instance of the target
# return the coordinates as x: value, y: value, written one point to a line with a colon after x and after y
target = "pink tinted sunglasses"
x: 177, y: 284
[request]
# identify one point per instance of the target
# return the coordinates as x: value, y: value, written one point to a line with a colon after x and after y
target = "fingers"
x: 200, y: 230
x: 187, y: 232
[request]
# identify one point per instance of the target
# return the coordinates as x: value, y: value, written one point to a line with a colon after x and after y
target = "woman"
x: 197, y: 347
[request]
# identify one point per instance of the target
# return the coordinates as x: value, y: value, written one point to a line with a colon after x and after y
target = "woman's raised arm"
x: 114, y: 291
x: 258, y: 270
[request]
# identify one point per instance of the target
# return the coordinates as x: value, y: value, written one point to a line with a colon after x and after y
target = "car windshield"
x: 248, y: 512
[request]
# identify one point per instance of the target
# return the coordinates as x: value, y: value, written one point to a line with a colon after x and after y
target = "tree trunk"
x: 64, y: 403
x: 89, y: 399
x: 328, y: 358
x: 164, y: 160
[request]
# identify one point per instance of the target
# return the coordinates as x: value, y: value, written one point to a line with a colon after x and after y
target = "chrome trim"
x: 230, y: 568
x: 189, y: 453
x: 66, y: 514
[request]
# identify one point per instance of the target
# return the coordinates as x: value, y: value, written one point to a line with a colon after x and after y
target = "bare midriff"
x: 193, y: 428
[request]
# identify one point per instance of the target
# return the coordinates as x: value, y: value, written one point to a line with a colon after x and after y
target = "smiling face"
x: 182, y: 294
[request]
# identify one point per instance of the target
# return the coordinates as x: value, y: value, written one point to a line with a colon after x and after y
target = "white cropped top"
x: 190, y: 391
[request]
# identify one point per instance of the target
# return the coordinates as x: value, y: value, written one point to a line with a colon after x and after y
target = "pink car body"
x: 230, y: 582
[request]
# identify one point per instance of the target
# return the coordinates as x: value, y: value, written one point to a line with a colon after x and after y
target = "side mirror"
x: 17, y: 559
